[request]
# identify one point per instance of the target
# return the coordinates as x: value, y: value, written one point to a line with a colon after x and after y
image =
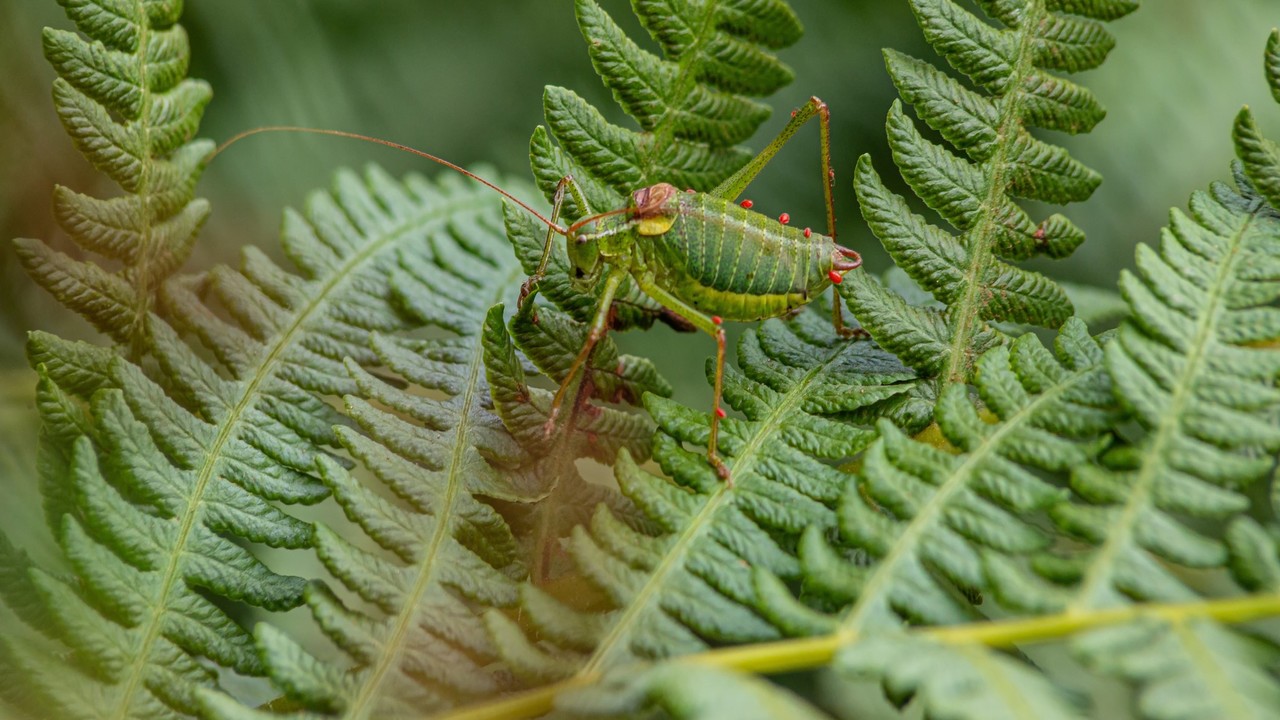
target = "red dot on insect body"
x: 717, y: 319
x: 832, y: 173
x: 807, y: 232
x: 720, y: 413
x: 793, y: 113
x: 836, y: 277
x: 784, y: 218
x: 689, y: 190
x: 746, y: 204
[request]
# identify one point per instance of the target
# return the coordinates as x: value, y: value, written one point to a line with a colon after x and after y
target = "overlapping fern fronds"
x: 1196, y: 367
x: 693, y: 106
x: 686, y: 584
x: 1011, y: 67
x: 409, y: 625
x: 1189, y: 369
x: 186, y: 465
x: 123, y: 96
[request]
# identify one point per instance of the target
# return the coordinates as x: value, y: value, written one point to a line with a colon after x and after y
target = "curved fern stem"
x: 799, y: 654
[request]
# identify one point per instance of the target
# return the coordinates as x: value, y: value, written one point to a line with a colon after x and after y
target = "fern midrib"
x: 664, y: 129
x: 967, y: 313
x: 136, y: 348
x: 876, y: 593
x: 365, y: 702
x: 1165, y: 436
x: 228, y: 431
x: 674, y: 561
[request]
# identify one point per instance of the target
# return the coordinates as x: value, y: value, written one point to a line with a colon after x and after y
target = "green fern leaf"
x: 413, y: 636
x: 1191, y: 668
x: 209, y: 453
x: 970, y: 273
x: 687, y: 582
x: 590, y: 428
x: 1183, y: 365
x: 917, y: 524
x: 123, y: 97
x: 1261, y: 157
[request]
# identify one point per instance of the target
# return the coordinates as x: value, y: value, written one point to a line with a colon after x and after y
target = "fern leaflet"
x: 124, y: 99
x: 1016, y: 90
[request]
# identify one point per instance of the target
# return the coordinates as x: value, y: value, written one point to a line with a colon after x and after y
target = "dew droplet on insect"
x: 784, y: 218
x: 746, y: 204
x: 836, y: 277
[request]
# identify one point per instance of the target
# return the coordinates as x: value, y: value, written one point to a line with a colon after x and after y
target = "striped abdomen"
x: 741, y: 265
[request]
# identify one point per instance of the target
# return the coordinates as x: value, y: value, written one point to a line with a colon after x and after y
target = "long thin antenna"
x: 379, y: 141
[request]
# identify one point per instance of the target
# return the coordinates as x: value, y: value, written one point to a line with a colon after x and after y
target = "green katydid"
x: 703, y: 257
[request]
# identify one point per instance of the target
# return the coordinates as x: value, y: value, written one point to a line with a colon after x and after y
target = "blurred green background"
x: 464, y: 80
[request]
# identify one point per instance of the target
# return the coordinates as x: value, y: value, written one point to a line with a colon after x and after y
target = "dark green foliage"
x: 970, y: 273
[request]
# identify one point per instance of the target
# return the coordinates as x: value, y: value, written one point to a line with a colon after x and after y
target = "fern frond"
x: 921, y: 517
x: 205, y: 457
x: 686, y: 584
x: 1188, y: 669
x: 123, y: 96
x: 414, y: 638
x: 1206, y: 402
x: 1260, y: 156
x: 1186, y: 367
x: 971, y: 273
